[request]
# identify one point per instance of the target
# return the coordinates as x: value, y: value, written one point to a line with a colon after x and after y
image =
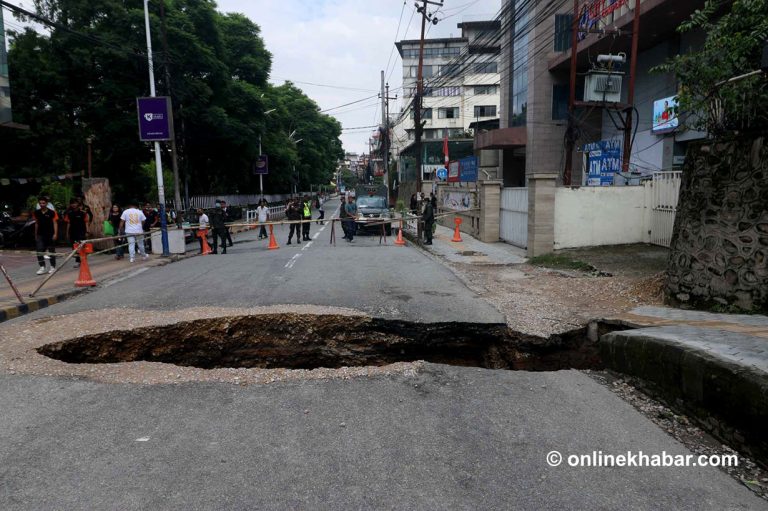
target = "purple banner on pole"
x: 154, y: 119
x: 262, y: 165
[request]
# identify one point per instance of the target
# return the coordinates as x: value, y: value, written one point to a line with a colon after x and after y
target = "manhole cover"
x: 295, y: 341
x: 471, y: 253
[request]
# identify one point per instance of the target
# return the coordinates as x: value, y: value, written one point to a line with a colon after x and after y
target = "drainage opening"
x: 293, y: 341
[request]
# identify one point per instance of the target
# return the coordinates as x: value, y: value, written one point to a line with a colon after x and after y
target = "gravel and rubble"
x: 540, y: 301
x: 684, y: 429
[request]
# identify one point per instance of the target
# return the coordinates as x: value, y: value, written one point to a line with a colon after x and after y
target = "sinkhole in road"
x: 301, y: 341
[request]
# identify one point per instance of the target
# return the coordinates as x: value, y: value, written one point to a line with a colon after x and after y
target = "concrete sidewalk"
x: 717, y: 364
x: 104, y: 268
x: 471, y: 250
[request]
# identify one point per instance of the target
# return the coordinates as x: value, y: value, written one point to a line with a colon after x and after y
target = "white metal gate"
x: 514, y: 216
x: 666, y: 192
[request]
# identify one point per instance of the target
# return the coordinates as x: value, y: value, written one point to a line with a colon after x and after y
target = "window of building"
x: 480, y: 90
x: 442, y: 91
x: 560, y: 96
x: 485, y: 111
x: 426, y: 113
x: 450, y: 70
x: 486, y: 67
x: 563, y: 31
x: 448, y: 113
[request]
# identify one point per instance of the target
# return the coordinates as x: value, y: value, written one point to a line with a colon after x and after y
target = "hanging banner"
x: 261, y: 167
x: 604, y: 162
x: 154, y: 119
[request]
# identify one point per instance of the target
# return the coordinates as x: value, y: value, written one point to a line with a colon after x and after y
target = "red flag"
x: 445, y: 149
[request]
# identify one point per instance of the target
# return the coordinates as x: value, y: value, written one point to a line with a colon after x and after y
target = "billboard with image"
x: 665, y: 115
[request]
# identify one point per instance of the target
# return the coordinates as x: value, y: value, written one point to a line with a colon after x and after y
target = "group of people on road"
x: 300, y: 210
x: 220, y: 215
x: 77, y: 217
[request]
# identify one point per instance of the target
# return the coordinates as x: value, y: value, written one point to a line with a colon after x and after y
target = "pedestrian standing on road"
x: 429, y: 221
x: 202, y: 230
x: 77, y: 225
x: 262, y: 214
x: 294, y: 214
x: 227, y: 218
x: 218, y: 222
x: 351, y: 218
x: 115, y: 214
x: 152, y: 221
x: 342, y: 216
x: 307, y: 217
x: 320, y: 209
x: 46, y: 232
x: 132, y: 225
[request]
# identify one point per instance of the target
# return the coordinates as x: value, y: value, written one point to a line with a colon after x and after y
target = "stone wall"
x: 719, y: 251
x: 98, y: 196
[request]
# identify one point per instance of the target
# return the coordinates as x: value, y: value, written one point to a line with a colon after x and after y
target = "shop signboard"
x: 604, y: 162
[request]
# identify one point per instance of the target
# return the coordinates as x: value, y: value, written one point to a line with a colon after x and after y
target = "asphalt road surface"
x: 383, y: 280
x: 443, y: 438
x: 450, y: 438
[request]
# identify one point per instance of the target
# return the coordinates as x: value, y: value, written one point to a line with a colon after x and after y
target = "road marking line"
x: 317, y: 234
x: 307, y: 246
x: 293, y: 260
x: 125, y: 277
x: 143, y: 439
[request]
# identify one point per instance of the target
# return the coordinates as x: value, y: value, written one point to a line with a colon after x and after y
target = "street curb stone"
x: 719, y: 377
x: 36, y: 304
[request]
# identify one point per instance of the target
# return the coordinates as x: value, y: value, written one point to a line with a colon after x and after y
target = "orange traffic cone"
x: 456, y: 232
x: 272, y: 241
x: 203, y: 235
x: 84, y: 279
x: 400, y: 240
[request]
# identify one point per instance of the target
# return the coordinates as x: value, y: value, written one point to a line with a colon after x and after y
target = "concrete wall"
x: 593, y: 216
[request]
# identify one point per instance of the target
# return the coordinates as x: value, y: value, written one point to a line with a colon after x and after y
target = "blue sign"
x: 468, y: 169
x: 155, y: 123
x: 604, y: 162
x: 261, y: 167
x: 442, y: 174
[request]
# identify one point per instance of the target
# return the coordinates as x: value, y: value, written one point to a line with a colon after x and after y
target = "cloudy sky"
x: 346, y: 43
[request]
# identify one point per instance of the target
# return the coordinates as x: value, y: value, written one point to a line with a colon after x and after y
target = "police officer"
x: 293, y: 214
x: 218, y: 222
x: 429, y: 221
x: 306, y: 216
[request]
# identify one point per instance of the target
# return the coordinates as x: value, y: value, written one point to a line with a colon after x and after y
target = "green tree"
x: 733, y: 46
x: 82, y: 79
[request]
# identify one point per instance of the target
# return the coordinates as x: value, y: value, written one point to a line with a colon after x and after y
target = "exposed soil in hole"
x: 294, y: 341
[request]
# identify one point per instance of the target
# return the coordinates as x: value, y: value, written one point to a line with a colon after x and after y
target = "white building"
x: 461, y: 83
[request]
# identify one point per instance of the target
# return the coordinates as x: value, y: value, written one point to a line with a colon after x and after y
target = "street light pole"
x: 158, y: 157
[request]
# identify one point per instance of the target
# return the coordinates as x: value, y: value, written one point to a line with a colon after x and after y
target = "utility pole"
x: 385, y: 122
x: 419, y: 93
x: 158, y: 157
x: 631, y: 92
x: 571, y: 140
x: 174, y: 155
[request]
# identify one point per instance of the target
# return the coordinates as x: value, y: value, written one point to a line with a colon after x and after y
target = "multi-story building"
x: 461, y: 87
x: 5, y: 87
x: 532, y: 139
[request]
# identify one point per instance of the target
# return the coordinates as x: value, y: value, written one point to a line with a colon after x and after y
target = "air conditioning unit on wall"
x: 603, y: 86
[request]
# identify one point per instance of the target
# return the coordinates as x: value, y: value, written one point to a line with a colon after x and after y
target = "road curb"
x: 15, y: 311
x: 729, y: 398
x: 36, y: 304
